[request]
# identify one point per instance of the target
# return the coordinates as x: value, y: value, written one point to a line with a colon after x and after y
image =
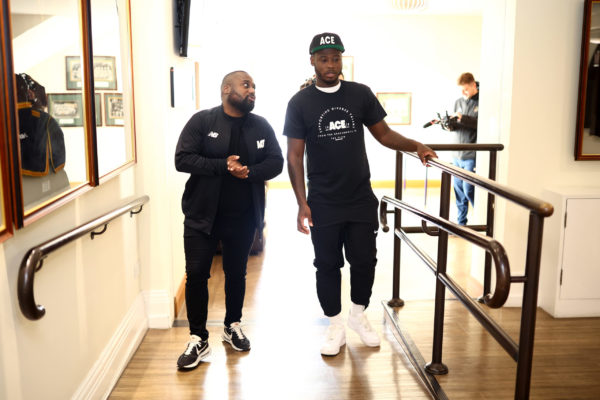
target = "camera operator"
x: 466, y: 110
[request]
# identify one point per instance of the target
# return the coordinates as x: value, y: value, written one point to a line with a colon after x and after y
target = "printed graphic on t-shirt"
x: 336, y: 123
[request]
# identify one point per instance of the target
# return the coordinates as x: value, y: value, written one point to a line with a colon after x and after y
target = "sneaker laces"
x: 364, y: 323
x: 237, y: 329
x: 191, y: 344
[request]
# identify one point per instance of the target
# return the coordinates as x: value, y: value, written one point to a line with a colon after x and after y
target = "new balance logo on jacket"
x: 260, y: 144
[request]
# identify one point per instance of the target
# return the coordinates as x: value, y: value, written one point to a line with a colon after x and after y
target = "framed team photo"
x: 105, y: 73
x: 66, y: 109
x: 113, y: 109
x: 397, y: 105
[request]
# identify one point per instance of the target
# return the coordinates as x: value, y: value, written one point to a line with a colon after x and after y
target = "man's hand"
x: 424, y: 151
x: 236, y: 169
x: 304, y: 214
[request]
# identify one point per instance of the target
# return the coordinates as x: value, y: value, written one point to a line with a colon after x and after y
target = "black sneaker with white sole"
x: 235, y: 337
x: 196, y: 350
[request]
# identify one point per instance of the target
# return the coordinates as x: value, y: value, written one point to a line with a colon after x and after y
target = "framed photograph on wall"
x: 66, y: 108
x: 348, y: 68
x: 105, y: 73
x: 397, y: 105
x: 113, y: 109
x: 74, y: 72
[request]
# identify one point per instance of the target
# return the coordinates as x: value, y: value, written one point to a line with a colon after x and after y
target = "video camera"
x: 447, y: 122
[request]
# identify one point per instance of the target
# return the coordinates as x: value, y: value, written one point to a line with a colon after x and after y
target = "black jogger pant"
x: 236, y: 236
x: 358, y: 240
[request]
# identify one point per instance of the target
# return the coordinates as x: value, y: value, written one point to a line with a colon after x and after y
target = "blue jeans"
x: 464, y: 192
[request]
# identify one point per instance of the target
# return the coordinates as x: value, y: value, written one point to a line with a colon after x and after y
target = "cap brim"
x: 327, y: 46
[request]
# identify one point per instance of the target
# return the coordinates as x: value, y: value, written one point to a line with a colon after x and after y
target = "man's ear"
x: 227, y: 89
x: 312, y: 60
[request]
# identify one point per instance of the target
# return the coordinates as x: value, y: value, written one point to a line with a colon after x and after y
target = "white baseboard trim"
x: 159, y: 309
x: 106, y: 371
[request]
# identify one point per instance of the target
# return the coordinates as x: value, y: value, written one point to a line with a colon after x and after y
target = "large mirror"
x: 587, y: 144
x: 46, y: 38
x: 112, y: 84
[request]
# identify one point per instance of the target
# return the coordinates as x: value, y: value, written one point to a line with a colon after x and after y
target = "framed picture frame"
x: 348, y: 67
x: 73, y: 69
x: 113, y: 109
x: 397, y: 105
x: 66, y: 108
x: 98, y: 108
x: 105, y: 73
x: 587, y: 131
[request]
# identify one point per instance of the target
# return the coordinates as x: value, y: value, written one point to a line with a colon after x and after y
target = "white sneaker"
x: 335, y: 337
x: 360, y: 324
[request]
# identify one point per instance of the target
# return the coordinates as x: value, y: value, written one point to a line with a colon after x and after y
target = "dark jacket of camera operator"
x: 466, y: 128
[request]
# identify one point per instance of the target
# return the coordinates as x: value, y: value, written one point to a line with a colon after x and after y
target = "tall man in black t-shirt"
x: 229, y: 153
x: 327, y: 120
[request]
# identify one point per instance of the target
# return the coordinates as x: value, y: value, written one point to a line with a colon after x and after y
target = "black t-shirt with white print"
x: 339, y: 187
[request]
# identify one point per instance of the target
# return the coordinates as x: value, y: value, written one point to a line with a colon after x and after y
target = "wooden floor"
x: 285, y: 324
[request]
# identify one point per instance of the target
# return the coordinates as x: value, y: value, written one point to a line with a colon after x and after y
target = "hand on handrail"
x: 425, y: 153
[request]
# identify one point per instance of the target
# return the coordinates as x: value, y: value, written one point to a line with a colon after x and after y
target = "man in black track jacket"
x: 229, y: 153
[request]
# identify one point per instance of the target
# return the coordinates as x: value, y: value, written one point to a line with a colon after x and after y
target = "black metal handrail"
x: 493, y: 149
x: 491, y: 245
x: 34, y: 257
x: 540, y: 207
x: 538, y: 210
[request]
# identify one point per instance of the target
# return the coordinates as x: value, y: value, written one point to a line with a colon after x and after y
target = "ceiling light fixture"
x: 409, y: 5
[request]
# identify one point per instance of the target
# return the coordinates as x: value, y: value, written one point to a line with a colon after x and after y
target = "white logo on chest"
x: 213, y: 134
x: 335, y: 125
x: 260, y: 143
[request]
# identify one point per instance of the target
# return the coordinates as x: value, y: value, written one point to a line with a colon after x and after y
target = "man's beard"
x: 327, y: 81
x: 244, y: 105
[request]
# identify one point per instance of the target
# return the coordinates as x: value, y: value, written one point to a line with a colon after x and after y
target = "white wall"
x: 534, y: 108
x: 423, y: 54
x: 158, y: 128
x: 544, y: 102
x: 91, y: 289
x: 88, y: 288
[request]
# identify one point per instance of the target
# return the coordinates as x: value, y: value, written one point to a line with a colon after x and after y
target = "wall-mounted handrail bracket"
x: 92, y: 234
x: 33, y: 258
x: 133, y: 212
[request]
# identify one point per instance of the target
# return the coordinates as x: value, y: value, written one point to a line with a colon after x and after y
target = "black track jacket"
x: 202, y: 151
